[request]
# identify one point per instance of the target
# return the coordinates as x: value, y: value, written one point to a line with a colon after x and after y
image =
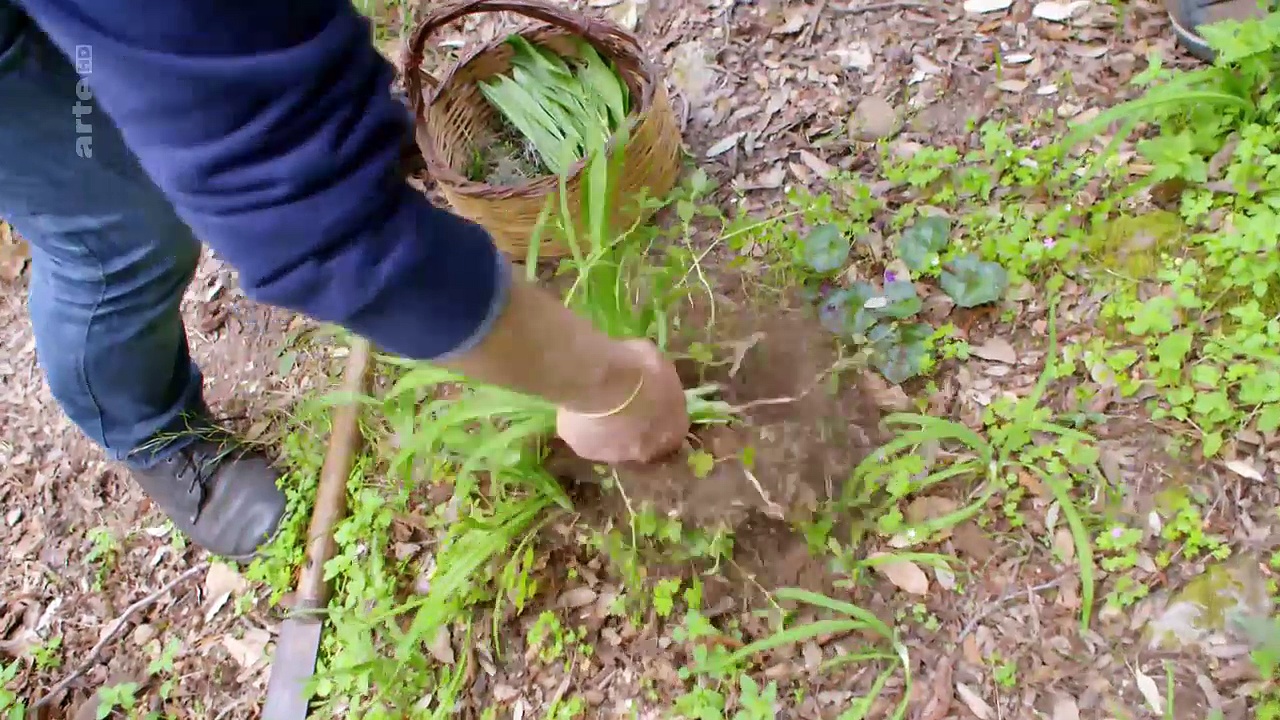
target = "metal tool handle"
x: 331, y: 494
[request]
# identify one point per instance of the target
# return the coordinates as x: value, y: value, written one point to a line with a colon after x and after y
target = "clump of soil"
x: 798, y: 438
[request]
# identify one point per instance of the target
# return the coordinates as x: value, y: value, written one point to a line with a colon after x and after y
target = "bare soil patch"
x: 797, y: 436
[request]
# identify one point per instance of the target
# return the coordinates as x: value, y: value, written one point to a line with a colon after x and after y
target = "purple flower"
x: 890, y: 276
x: 1117, y: 532
x: 1050, y: 242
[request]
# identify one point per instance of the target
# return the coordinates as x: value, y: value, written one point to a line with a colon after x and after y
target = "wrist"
x: 612, y: 383
x: 539, y: 347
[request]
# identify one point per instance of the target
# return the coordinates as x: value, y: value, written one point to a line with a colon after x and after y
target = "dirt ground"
x: 764, y: 90
x: 774, y: 365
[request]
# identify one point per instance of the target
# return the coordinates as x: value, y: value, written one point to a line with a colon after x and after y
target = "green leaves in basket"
x: 971, y: 282
x: 920, y: 244
x: 565, y: 109
x: 825, y: 248
x: 599, y: 77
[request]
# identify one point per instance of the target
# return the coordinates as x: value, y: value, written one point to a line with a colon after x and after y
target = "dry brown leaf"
x: 905, y: 574
x: 793, y: 21
x: 14, y: 254
x: 817, y: 164
x: 1034, y: 484
x: 972, y: 541
x: 1150, y: 691
x: 1064, y: 708
x: 1089, y: 52
x: 930, y: 507
x: 926, y: 509
x: 247, y: 650
x: 1244, y: 469
x: 725, y: 145
x: 1013, y: 86
x: 946, y: 578
x: 1064, y: 544
x: 578, y: 597
x: 940, y: 703
x: 885, y: 395
x: 996, y: 350
x: 442, y: 647
x: 858, y: 55
x: 222, y: 578
x: 1058, y: 11
x: 981, y: 7
x: 974, y: 702
x: 220, y: 583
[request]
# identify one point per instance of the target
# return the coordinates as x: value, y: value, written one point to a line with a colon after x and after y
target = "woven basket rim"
x: 547, y: 17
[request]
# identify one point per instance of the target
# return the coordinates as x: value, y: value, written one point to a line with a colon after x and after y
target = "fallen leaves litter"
x: 221, y: 582
x: 981, y: 7
x: 940, y: 703
x: 1057, y: 11
x: 249, y: 649
x: 1150, y: 691
x: 974, y: 702
x: 996, y: 350
x: 905, y: 574
x: 1244, y: 469
x: 441, y: 648
x: 1064, y: 544
x: 1065, y: 708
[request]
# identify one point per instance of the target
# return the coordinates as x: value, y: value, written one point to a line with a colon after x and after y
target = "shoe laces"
x: 197, y: 468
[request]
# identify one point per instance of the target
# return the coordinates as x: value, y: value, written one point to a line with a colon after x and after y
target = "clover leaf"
x: 825, y: 248
x: 844, y: 312
x: 971, y: 282
x: 919, y: 244
x: 899, y: 351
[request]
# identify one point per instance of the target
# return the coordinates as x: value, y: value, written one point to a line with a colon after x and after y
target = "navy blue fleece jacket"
x: 270, y: 126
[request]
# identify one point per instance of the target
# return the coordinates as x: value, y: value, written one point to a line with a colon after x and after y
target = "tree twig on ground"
x: 999, y: 602
x: 113, y: 631
x: 811, y: 26
x: 875, y: 7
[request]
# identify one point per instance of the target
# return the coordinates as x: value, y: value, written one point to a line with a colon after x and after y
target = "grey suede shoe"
x: 1188, y: 16
x: 219, y: 492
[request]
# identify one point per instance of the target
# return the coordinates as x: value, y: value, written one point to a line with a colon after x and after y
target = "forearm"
x: 539, y: 347
x: 272, y: 130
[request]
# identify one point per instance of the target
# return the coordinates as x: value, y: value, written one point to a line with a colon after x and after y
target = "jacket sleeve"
x: 270, y: 126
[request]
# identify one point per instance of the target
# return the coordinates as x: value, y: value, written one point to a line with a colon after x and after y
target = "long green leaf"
x: 1084, y: 549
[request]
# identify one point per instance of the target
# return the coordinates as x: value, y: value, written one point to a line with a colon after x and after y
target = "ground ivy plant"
x: 882, y: 317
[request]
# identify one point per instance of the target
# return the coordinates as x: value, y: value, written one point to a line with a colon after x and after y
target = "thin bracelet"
x: 625, y: 403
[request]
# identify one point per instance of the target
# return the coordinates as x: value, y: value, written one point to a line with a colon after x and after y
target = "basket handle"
x: 441, y: 16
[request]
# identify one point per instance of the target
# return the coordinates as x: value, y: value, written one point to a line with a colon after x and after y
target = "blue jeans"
x: 110, y: 260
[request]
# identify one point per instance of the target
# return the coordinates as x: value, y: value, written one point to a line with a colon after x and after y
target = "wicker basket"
x: 454, y: 119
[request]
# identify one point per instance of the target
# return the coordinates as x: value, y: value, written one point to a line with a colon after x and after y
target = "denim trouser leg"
x: 110, y: 258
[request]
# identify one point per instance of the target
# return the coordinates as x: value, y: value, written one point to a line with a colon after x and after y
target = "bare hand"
x: 642, y: 428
